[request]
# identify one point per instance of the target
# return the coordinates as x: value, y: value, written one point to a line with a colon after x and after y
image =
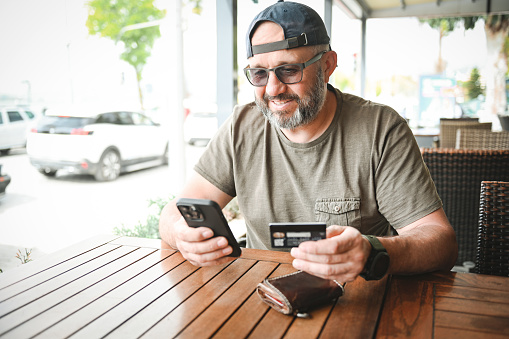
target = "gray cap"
x: 301, y: 25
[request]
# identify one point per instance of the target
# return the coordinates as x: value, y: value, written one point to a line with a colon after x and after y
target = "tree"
x: 107, y: 18
x: 497, y: 31
x: 496, y: 28
x: 473, y: 86
x: 444, y: 27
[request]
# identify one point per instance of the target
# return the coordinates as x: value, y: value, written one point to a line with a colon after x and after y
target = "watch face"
x: 380, y: 265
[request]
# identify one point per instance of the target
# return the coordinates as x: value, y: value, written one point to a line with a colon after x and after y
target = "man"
x: 308, y: 152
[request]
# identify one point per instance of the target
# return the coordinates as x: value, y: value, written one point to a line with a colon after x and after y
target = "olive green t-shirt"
x: 365, y: 171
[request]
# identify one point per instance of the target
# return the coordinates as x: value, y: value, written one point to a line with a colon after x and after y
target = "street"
x: 47, y: 214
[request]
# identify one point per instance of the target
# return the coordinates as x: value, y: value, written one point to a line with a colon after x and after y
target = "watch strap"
x: 371, y: 272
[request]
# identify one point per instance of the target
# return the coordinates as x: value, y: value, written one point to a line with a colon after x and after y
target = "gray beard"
x: 307, y: 111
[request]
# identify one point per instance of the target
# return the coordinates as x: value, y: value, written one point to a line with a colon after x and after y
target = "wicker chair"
x: 493, y: 239
x: 481, y: 139
x: 458, y: 175
x: 448, y: 128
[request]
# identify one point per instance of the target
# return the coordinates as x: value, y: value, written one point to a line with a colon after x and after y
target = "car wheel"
x: 48, y: 172
x: 166, y: 156
x: 109, y: 166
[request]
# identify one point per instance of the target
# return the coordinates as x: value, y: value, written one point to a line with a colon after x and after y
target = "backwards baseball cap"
x: 301, y: 25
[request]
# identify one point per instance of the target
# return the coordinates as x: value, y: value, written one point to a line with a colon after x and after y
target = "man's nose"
x: 274, y: 86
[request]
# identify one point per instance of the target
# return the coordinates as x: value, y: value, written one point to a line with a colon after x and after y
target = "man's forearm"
x: 423, y: 249
x: 169, y: 215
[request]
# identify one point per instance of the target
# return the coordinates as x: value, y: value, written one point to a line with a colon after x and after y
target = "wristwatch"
x: 378, y: 261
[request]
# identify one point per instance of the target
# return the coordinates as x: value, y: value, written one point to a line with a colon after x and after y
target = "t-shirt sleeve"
x: 404, y: 188
x: 216, y: 163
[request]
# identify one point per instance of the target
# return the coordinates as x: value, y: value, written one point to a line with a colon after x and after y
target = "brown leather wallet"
x: 298, y: 292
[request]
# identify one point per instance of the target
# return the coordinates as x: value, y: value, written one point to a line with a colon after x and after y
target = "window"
x: 30, y: 114
x: 14, y: 116
x: 125, y: 118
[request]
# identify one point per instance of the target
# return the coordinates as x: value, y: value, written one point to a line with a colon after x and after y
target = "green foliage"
x: 149, y: 228
x: 473, y: 86
x: 24, y: 258
x: 107, y: 18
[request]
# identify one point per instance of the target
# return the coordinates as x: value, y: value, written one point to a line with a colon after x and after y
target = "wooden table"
x: 129, y: 287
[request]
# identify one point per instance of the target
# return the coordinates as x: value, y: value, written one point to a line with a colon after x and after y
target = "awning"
x: 421, y: 8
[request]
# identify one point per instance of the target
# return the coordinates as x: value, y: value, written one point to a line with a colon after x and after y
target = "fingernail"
x: 296, y: 264
x: 207, y: 234
x: 293, y: 251
x: 222, y: 242
x: 227, y: 250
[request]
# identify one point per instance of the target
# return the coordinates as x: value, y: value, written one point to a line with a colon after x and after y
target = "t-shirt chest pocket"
x: 338, y: 211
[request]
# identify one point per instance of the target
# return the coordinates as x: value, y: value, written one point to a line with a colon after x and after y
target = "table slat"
x: 142, y: 321
x: 451, y: 333
x: 242, y: 322
x: 472, y: 322
x: 73, y: 304
x: 56, y: 282
x: 473, y: 307
x: 472, y: 293
x: 110, y: 300
x: 192, y: 307
x: 48, y: 301
x: 218, y: 312
x: 408, y: 310
x: 47, y: 261
x: 356, y: 313
x: 56, y: 270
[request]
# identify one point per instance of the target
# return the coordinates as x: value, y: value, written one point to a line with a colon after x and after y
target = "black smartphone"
x: 207, y: 213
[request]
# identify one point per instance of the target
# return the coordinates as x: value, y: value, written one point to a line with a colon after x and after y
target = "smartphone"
x: 207, y: 213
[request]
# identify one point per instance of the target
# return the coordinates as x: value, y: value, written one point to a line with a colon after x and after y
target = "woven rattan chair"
x: 458, y: 175
x: 493, y: 239
x: 448, y: 128
x: 481, y: 139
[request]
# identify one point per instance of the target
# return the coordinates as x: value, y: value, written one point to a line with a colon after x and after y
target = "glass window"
x: 14, y: 116
x: 108, y: 118
x: 125, y: 118
x: 1, y: 119
x: 30, y: 114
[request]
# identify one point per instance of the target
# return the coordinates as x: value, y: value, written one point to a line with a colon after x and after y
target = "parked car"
x: 200, y: 127
x: 15, y: 122
x: 101, y: 143
x: 5, y: 180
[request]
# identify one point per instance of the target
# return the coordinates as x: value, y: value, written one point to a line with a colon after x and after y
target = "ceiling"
x: 421, y: 8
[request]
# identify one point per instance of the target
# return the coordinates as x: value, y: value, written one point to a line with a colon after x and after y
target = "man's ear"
x: 331, y: 62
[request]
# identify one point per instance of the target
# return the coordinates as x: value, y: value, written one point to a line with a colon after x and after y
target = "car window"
x: 109, y: 118
x: 1, y: 118
x: 61, y: 125
x: 14, y: 116
x: 140, y: 119
x: 30, y: 114
x: 125, y: 118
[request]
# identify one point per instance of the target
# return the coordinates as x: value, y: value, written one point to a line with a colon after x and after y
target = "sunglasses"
x: 287, y: 74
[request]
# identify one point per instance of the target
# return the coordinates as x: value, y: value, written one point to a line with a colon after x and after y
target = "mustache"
x: 282, y: 96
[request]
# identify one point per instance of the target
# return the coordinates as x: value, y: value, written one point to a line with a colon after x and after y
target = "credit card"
x: 291, y: 234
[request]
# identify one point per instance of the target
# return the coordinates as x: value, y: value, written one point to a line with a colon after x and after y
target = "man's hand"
x: 341, y: 256
x: 198, y: 246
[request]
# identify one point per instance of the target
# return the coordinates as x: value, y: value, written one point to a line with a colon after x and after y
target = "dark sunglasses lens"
x: 257, y: 77
x: 289, y: 74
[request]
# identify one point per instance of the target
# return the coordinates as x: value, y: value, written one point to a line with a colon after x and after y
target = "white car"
x: 200, y: 127
x: 103, y: 144
x: 15, y: 122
